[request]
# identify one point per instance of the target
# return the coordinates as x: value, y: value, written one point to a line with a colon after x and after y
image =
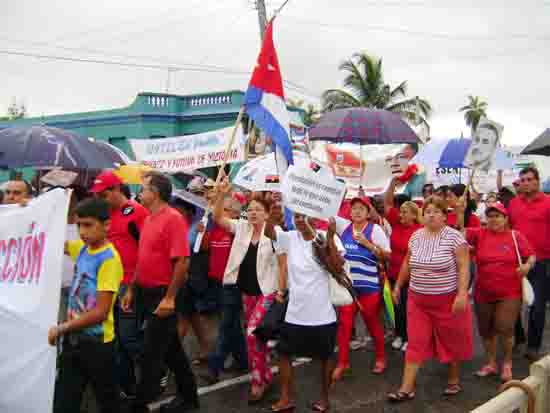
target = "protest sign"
x: 189, y: 152
x: 312, y: 191
x: 485, y: 141
x: 59, y: 177
x: 31, y: 253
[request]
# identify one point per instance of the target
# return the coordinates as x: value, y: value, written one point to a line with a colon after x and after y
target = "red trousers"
x: 371, y: 307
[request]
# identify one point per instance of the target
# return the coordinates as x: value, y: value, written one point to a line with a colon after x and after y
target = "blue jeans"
x: 540, y: 280
x: 129, y: 341
x: 230, y: 334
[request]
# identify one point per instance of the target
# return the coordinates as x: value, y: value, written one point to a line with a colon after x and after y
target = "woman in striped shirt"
x: 365, y: 244
x: 437, y: 269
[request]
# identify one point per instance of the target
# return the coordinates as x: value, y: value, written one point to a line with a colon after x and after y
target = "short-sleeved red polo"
x: 120, y: 236
x: 531, y: 217
x: 163, y: 239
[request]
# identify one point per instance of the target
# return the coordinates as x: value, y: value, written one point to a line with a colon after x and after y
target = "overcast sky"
x: 444, y: 49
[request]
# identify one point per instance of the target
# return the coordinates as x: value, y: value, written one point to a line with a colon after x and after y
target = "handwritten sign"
x: 311, y: 192
x: 190, y: 152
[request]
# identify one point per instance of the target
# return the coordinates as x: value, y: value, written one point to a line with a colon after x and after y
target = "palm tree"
x: 474, y: 111
x: 311, y: 113
x: 365, y: 87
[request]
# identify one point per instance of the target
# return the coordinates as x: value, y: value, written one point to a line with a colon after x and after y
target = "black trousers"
x: 83, y: 361
x: 540, y: 280
x: 162, y: 347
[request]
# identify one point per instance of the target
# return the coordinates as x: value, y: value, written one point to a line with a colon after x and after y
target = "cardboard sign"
x: 59, y: 177
x: 312, y: 191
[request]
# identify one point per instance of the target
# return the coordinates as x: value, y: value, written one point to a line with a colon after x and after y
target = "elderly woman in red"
x: 439, y: 315
x: 498, y: 287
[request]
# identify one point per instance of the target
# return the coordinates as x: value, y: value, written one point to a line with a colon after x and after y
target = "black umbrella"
x: 362, y: 126
x: 540, y: 146
x: 46, y: 147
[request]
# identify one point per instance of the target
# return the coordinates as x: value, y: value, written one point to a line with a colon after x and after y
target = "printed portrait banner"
x: 312, y: 192
x: 31, y: 253
x: 189, y: 152
x: 485, y: 141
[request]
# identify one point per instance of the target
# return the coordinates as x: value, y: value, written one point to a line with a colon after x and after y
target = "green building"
x: 151, y: 116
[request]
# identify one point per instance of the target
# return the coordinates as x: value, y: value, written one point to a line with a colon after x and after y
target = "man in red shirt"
x: 530, y: 215
x: 127, y: 218
x: 163, y: 261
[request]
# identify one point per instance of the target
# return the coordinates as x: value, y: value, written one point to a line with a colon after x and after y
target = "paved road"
x: 363, y: 391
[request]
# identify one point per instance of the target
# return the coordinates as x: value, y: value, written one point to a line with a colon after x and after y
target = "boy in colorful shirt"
x: 88, y: 348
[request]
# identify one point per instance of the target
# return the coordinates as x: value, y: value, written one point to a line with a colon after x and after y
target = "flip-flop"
x: 287, y: 408
x: 318, y: 407
x: 401, y: 396
x: 452, y: 389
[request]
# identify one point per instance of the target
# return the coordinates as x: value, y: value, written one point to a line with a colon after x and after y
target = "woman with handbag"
x: 504, y: 258
x: 366, y: 247
x: 252, y: 266
x: 309, y: 327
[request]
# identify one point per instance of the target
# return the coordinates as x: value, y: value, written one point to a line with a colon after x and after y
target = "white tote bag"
x: 339, y: 295
x: 526, y: 288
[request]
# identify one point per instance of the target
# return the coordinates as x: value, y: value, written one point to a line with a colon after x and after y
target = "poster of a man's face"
x: 485, y: 141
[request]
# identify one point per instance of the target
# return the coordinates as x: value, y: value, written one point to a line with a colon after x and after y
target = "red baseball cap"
x: 497, y: 206
x: 104, y: 181
x: 363, y: 199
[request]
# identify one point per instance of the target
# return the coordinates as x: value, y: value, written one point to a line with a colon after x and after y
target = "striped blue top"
x: 363, y: 263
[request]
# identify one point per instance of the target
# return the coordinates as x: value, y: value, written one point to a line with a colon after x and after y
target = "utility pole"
x: 262, y: 17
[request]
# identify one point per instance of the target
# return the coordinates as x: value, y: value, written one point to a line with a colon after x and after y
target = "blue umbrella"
x: 450, y: 153
x: 46, y: 147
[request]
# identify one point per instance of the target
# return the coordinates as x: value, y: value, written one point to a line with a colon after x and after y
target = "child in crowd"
x: 88, y: 353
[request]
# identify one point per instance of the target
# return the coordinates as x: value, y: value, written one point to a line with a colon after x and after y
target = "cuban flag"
x: 264, y: 102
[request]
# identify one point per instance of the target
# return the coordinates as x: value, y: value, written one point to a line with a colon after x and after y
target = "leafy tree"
x: 364, y: 86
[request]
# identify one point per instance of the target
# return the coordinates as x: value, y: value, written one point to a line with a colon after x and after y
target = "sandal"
x: 452, y: 389
x: 339, y: 373
x: 401, y: 396
x: 379, y: 367
x: 272, y: 409
x: 318, y: 407
x: 506, y: 371
x: 198, y: 360
x: 485, y: 371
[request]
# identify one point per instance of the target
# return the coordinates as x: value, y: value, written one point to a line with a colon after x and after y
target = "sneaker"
x: 404, y: 346
x: 179, y: 405
x: 165, y: 379
x: 397, y: 343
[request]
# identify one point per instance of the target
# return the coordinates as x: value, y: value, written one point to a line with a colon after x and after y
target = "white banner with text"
x: 189, y: 152
x: 31, y: 253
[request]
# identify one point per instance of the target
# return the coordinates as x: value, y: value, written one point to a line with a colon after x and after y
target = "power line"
x: 171, y: 68
x: 436, y: 35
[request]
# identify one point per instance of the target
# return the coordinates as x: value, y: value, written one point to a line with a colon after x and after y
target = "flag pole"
x: 229, y: 145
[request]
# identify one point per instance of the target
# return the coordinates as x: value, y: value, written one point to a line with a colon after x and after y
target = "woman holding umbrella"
x: 366, y: 247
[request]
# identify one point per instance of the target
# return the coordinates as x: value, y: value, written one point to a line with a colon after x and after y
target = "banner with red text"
x: 189, y: 152
x: 31, y: 253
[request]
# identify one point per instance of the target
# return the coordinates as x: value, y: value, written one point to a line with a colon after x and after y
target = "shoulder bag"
x: 528, y: 294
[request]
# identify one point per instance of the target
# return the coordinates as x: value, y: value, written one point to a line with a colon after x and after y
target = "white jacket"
x: 266, y: 263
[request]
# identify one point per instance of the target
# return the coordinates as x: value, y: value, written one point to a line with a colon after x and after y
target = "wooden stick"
x: 229, y: 145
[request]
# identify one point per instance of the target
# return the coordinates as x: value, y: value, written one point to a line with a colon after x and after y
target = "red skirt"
x: 435, y: 331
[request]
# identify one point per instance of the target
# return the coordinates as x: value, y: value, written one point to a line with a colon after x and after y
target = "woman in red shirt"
x: 498, y: 286
x: 404, y: 221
